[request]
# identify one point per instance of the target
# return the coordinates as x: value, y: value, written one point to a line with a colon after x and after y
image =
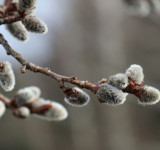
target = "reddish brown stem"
x: 32, y: 67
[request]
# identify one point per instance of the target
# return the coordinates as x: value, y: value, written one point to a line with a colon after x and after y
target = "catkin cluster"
x: 28, y: 101
x: 30, y: 23
x: 143, y: 8
x: 113, y: 91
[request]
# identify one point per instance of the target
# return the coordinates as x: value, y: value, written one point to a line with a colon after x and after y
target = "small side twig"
x: 5, y: 99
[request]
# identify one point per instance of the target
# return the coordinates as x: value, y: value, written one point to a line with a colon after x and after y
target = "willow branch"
x: 7, y: 15
x: 37, y: 69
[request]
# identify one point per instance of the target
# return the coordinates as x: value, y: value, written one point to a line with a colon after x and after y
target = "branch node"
x: 23, y: 69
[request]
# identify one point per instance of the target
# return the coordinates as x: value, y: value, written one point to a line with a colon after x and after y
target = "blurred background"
x: 90, y: 39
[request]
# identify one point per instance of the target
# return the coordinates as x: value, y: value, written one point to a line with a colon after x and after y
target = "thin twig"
x: 32, y: 67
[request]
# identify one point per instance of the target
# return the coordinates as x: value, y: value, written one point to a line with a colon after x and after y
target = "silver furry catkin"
x: 7, y: 78
x: 22, y: 112
x: 2, y: 109
x: 135, y: 72
x: 18, y: 30
x: 34, y: 24
x: 26, y: 6
x: 81, y: 98
x: 150, y: 95
x: 35, y: 90
x: 119, y: 80
x: 110, y: 95
x: 56, y: 112
x: 27, y: 95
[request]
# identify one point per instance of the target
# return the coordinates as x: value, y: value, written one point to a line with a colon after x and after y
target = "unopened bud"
x: 110, y: 95
x: 22, y: 112
x: 79, y: 98
x: 135, y: 73
x: 119, y: 80
x: 34, y: 24
x: 7, y: 78
x: 149, y: 96
x: 26, y: 95
x: 18, y: 30
x: 56, y: 112
x: 26, y: 6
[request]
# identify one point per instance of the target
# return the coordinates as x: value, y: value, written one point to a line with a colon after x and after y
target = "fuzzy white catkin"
x: 2, y: 109
x: 34, y: 24
x: 23, y: 112
x: 26, y: 6
x: 35, y: 90
x: 18, y: 30
x: 56, y: 113
x: 82, y: 98
x: 139, y: 7
x: 26, y: 95
x: 111, y: 95
x: 135, y: 72
x: 7, y: 78
x: 119, y: 80
x: 150, y: 96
